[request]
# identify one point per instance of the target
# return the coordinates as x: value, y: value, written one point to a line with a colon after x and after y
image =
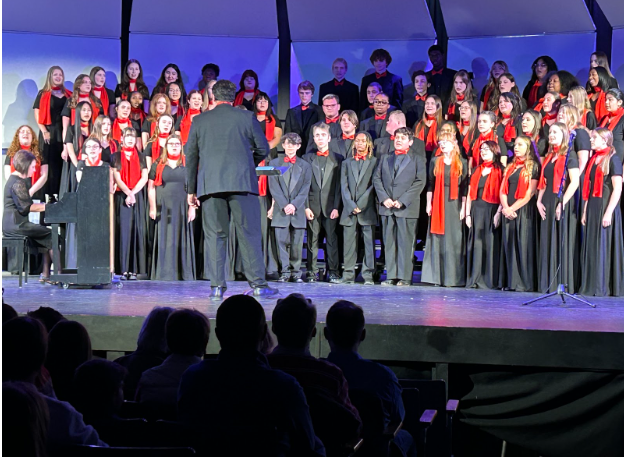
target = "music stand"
x: 271, y: 170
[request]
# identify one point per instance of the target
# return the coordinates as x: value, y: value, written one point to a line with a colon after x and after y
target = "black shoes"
x: 284, y: 278
x: 217, y: 292
x: 369, y: 282
x: 403, y: 284
x: 334, y: 278
x: 265, y: 291
x: 388, y: 282
x: 312, y: 277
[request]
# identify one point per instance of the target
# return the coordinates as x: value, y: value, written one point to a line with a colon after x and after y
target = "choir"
x: 473, y: 178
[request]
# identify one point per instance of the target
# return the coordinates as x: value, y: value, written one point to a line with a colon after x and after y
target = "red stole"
x: 94, y: 109
x: 130, y: 168
x: 437, y: 212
x: 45, y: 116
x: 476, y: 148
x: 558, y: 173
x: 103, y: 98
x: 161, y: 167
x: 523, y: 180
x: 185, y: 124
x: 240, y: 96
x: 600, y: 109
x: 533, y: 94
x: 156, y: 145
x: 269, y: 131
x: 599, y: 176
x: 97, y: 162
x: 491, y: 191
x: 431, y: 140
x: 117, y: 130
x: 486, y: 96
x: 510, y: 129
x: 611, y: 119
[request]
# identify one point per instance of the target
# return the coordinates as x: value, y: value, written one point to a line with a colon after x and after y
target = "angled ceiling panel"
x: 234, y: 18
x: 358, y: 20
x: 483, y: 18
x: 614, y: 11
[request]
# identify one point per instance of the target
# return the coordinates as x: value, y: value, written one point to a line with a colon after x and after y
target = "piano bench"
x: 23, y: 246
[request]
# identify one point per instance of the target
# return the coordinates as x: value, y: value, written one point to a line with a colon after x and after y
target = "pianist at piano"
x: 18, y: 204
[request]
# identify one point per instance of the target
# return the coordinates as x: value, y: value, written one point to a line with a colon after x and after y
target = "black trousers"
x: 244, y: 210
x: 290, y: 246
x: 331, y: 256
x: 351, y: 236
x: 399, y: 238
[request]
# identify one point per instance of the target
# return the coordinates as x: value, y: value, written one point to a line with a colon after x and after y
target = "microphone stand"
x: 562, y: 289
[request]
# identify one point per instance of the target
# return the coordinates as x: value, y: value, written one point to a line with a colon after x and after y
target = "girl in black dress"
x: 510, y: 109
x: 577, y: 97
x: 483, y: 218
x: 163, y: 129
x: 568, y: 115
x: 467, y: 126
x: 614, y: 120
x: 248, y: 90
x: 83, y: 93
x: 426, y: 129
x: 549, y: 108
x: 25, y: 139
x: 183, y: 126
x: 132, y: 80
x: 18, y: 204
x: 170, y: 74
x: 444, y: 261
x: 159, y: 105
x: 486, y: 123
x: 48, y: 106
x: 173, y: 255
x: 602, y: 255
x: 130, y: 173
x: 519, y: 260
x: 462, y: 91
x: 596, y: 88
x: 173, y: 91
x: 102, y: 131
x: 105, y: 95
x: 531, y: 125
x: 137, y: 113
x: 498, y: 68
x: 541, y: 67
x: 549, y: 209
x: 506, y: 84
x: 76, y: 134
x: 123, y: 122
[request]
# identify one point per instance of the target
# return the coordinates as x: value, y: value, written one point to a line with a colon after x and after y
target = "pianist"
x: 18, y: 204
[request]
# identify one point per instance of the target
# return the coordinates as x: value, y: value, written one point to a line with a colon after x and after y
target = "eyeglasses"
x: 381, y: 102
x: 92, y: 147
x: 174, y: 144
x: 464, y: 108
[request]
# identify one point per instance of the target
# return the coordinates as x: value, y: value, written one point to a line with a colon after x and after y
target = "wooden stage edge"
x: 419, y: 324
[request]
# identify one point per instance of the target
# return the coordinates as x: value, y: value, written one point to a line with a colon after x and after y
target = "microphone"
x: 572, y: 134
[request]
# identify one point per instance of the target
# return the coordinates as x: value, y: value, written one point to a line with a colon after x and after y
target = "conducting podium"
x: 89, y: 209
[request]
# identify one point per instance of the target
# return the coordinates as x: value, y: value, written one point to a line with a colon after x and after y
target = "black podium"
x: 89, y: 209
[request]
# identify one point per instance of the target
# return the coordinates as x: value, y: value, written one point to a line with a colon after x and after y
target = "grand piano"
x: 89, y: 209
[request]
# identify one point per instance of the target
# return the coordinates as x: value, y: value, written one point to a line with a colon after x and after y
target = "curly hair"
x: 15, y: 145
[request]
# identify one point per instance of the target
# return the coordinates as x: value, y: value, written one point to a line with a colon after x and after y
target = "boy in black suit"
x: 346, y: 91
x: 399, y: 179
x: 331, y: 110
x: 440, y: 77
x: 415, y: 108
x: 376, y: 125
x: 359, y: 214
x: 290, y: 191
x: 301, y: 118
x: 323, y: 204
x: 348, y: 124
x: 391, y: 84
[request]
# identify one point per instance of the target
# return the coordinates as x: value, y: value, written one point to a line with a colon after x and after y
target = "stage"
x: 418, y: 324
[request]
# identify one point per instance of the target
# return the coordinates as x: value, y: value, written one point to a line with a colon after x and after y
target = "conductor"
x: 222, y: 151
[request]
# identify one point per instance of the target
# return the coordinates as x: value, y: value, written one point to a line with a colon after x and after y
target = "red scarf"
x: 94, y: 109
x: 131, y: 85
x: 486, y: 96
x: 323, y: 154
x: 584, y: 117
x: 161, y: 167
x: 379, y: 75
x: 597, y: 158
x: 269, y: 131
x: 263, y: 181
x: 359, y: 157
x: 332, y: 120
x: 558, y: 173
x: 510, y: 129
x: 292, y: 160
x: 600, y: 109
x: 45, y: 117
x: 240, y: 96
x: 130, y: 167
x: 103, y: 98
x: 611, y: 119
x: 523, y: 182
x: 117, y: 130
x: 539, y: 105
x: 185, y: 124
x: 347, y: 137
x: 391, y: 137
x: 97, y: 162
x: 37, y: 173
x: 451, y: 109
x: 431, y: 140
x: 491, y: 191
x: 437, y: 213
x: 380, y: 118
x: 476, y: 147
x: 138, y: 115
x: 533, y: 94
x: 548, y: 117
x: 156, y: 146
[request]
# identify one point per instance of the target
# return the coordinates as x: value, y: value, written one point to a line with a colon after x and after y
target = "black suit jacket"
x: 348, y: 94
x: 358, y: 191
x: 324, y: 195
x: 392, y: 86
x: 300, y: 122
x: 413, y: 110
x: 222, y: 151
x: 404, y: 186
x: 335, y: 131
x: 384, y: 146
x: 341, y: 146
x: 295, y: 193
x: 442, y: 85
x: 376, y: 128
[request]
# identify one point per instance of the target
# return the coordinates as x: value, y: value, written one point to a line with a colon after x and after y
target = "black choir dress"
x: 52, y: 152
x: 519, y: 260
x: 130, y: 227
x: 602, y: 254
x: 444, y: 261
x: 484, y: 243
x: 173, y: 256
x: 549, y: 235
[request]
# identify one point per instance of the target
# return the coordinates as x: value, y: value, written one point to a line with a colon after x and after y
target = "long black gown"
x: 519, y: 252
x: 173, y: 256
x: 444, y: 261
x: 130, y: 227
x: 602, y: 254
x: 484, y: 243
x: 549, y: 235
x: 52, y: 152
x: 17, y: 202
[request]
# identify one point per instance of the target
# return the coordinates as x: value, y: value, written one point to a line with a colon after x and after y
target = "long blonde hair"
x: 581, y: 101
x: 565, y: 140
x: 438, y: 115
x: 530, y: 157
x: 607, y: 136
x: 48, y: 81
x: 97, y: 129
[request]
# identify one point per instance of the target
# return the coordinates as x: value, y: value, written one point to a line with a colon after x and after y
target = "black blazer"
x: 376, y: 128
x: 442, y: 85
x: 222, y: 151
x: 405, y: 187
x: 384, y: 146
x: 324, y: 195
x: 335, y: 132
x: 341, y: 146
x: 300, y: 122
x: 391, y: 84
x: 358, y: 191
x: 296, y: 193
x: 413, y: 110
x: 347, y: 93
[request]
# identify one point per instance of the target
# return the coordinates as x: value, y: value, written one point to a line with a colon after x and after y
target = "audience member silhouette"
x: 336, y: 420
x: 237, y: 398
x: 8, y: 313
x: 187, y: 332
x: 48, y: 316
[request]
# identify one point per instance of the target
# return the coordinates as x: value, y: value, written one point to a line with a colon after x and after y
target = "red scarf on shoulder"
x: 240, y: 96
x: 523, y: 181
x: 559, y: 165
x: 596, y: 159
x: 185, y: 124
x: 431, y: 140
x: 476, y: 147
x: 437, y: 212
x: 130, y: 167
x: 491, y: 191
x: 45, y: 117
